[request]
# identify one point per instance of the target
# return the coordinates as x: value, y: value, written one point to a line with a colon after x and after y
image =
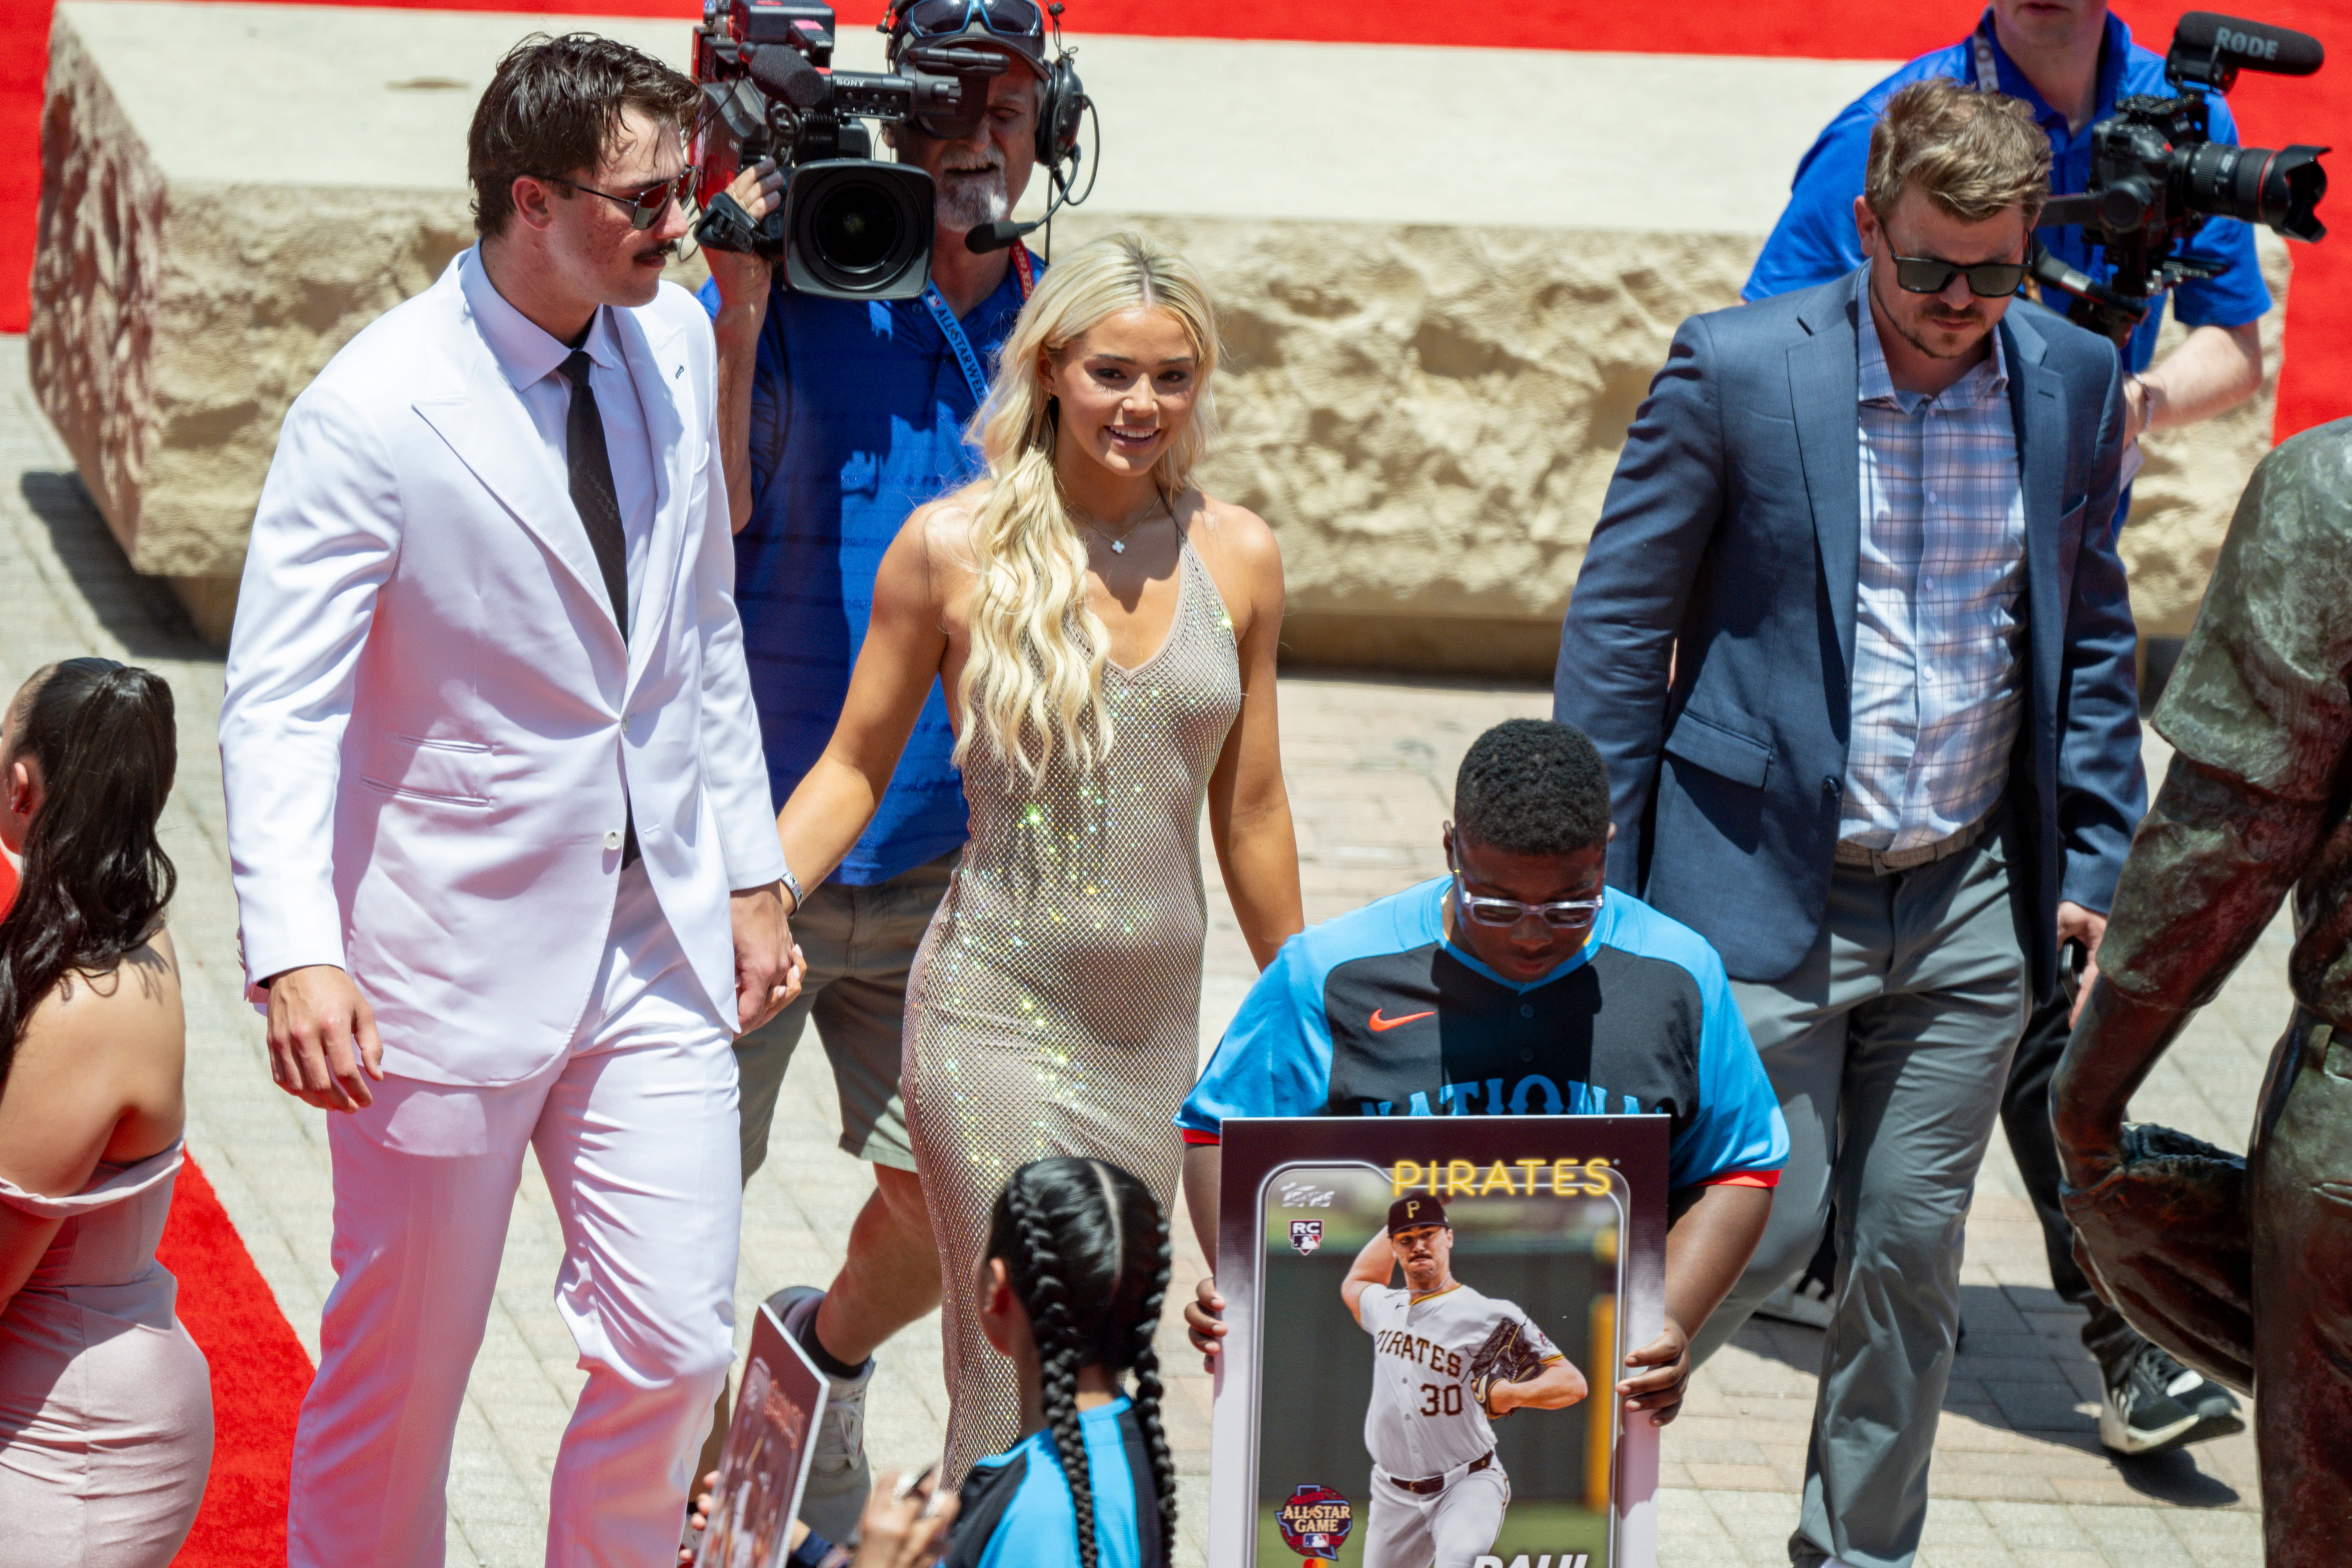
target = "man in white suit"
x: 506, y: 865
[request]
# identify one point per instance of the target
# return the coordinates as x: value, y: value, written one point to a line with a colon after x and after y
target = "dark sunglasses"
x: 645, y: 207
x: 1987, y: 279
x: 1566, y: 914
x: 1019, y: 19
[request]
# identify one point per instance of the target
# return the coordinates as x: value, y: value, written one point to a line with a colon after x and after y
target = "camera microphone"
x: 784, y: 72
x: 2249, y: 46
x: 988, y: 237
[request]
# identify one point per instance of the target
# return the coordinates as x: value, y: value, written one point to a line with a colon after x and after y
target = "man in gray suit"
x: 1855, y: 645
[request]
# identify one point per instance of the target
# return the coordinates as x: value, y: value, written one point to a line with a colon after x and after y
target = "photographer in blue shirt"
x: 838, y: 418
x: 2070, y: 61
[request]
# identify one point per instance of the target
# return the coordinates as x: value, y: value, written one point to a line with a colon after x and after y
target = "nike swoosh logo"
x: 1380, y: 1025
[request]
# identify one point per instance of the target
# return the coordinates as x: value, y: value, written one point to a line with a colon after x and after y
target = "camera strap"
x: 974, y: 375
x: 1987, y: 73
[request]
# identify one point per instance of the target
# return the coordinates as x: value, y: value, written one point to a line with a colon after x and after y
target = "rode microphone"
x: 2209, y: 50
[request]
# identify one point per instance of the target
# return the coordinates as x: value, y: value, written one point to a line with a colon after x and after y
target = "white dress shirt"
x: 534, y: 362
x: 1938, y: 679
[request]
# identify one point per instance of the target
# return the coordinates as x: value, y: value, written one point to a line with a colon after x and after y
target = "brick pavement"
x: 2017, y: 1478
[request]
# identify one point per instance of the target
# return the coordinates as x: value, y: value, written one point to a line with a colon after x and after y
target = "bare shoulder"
x: 1234, y: 534
x: 97, y: 1072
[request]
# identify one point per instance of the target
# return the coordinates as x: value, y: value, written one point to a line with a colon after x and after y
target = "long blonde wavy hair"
x: 1032, y: 682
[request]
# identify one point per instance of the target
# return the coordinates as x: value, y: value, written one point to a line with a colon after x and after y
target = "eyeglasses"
x: 1566, y: 914
x: 645, y: 207
x: 1987, y: 279
x: 1018, y: 20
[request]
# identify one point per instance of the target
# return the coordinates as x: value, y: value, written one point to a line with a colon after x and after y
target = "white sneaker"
x: 839, y: 1477
x: 1804, y: 1302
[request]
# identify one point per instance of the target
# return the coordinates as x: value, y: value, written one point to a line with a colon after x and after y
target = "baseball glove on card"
x: 1504, y: 1357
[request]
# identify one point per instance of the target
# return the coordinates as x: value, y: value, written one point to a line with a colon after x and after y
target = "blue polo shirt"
x: 858, y: 411
x: 1815, y: 240
x: 1376, y: 1013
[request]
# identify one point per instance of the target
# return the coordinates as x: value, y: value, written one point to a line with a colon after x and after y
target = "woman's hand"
x: 904, y: 1529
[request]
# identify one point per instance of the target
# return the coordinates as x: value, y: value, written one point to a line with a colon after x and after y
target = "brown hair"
x: 553, y: 108
x: 1974, y: 153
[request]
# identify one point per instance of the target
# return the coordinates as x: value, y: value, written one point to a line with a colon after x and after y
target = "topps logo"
x: 1304, y: 1195
x: 1565, y: 1559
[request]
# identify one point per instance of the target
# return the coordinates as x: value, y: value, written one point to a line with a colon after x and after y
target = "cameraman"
x: 2070, y: 61
x: 838, y: 419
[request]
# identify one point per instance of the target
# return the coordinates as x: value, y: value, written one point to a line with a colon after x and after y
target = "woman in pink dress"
x: 106, y: 1417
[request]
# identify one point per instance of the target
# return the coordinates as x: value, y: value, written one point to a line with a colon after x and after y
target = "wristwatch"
x: 792, y: 886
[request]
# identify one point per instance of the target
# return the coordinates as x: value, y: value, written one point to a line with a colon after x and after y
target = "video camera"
x: 2157, y: 175
x: 849, y: 227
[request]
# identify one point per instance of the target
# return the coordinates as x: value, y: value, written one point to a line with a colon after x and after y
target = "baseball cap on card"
x: 1415, y: 1213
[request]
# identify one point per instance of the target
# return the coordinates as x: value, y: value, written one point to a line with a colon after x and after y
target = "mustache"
x: 666, y: 250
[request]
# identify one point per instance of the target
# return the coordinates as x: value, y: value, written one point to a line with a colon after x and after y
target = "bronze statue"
x: 2244, y: 1268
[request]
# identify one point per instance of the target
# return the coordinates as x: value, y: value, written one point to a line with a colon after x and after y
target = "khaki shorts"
x: 859, y: 943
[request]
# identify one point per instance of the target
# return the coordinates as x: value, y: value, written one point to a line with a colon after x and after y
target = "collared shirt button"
x: 1527, y: 1055
x: 1526, y: 1009
x: 612, y: 839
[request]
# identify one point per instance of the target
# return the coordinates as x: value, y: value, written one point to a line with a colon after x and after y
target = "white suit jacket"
x: 432, y: 735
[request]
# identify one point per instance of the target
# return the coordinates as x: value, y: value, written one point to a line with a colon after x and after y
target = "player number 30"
x: 1445, y: 1401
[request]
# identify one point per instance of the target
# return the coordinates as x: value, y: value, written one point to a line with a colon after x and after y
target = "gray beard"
x: 967, y: 201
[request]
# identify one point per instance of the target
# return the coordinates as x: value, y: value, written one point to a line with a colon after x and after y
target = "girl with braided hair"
x: 1069, y: 1291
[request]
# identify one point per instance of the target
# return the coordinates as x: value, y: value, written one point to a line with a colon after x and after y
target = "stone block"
x: 1445, y: 279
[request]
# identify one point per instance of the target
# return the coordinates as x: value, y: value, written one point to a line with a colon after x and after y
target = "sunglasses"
x: 1566, y: 914
x: 645, y: 207
x: 1018, y: 19
x: 1987, y: 279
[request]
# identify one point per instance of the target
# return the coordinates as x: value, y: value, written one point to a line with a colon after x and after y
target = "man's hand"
x: 2076, y: 924
x: 1659, y: 1390
x: 316, y: 1017
x: 1204, y: 1322
x: 743, y: 277
x: 767, y: 965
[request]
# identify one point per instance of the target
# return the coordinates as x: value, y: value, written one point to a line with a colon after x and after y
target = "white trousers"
x: 635, y: 1132
x: 1448, y: 1528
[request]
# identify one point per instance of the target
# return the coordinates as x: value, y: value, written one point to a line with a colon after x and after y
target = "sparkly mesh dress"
x: 1054, y: 1007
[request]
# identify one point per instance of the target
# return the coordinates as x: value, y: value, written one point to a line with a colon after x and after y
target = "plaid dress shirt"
x: 1939, y: 619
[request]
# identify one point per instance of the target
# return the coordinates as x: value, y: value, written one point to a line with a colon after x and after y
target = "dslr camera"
x: 2157, y: 175
x: 849, y: 227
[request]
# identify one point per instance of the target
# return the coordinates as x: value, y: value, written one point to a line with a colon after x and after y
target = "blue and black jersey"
x: 1376, y: 1013
x: 1015, y: 1511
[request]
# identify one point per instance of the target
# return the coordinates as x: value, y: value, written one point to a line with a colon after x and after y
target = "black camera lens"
x: 2280, y: 189
x: 859, y: 229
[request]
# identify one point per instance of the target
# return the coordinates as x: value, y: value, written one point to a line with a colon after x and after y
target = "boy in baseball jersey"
x: 1518, y: 984
x: 1446, y: 1360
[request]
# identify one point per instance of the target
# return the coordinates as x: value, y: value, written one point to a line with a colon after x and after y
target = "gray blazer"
x: 1725, y: 554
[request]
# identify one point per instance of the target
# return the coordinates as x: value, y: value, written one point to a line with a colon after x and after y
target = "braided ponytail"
x: 1046, y: 1295
x: 1087, y: 1250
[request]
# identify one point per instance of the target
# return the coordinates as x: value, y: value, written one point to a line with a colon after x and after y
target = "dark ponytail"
x: 1087, y: 1248
x: 95, y: 880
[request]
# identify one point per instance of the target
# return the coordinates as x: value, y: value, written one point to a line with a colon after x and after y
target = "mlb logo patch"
x: 1305, y: 1236
x: 1315, y: 1521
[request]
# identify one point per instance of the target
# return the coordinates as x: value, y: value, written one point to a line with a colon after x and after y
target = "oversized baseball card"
x: 1427, y: 1317
x: 764, y: 1465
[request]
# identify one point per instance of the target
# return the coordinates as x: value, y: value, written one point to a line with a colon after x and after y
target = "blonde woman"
x: 1105, y: 633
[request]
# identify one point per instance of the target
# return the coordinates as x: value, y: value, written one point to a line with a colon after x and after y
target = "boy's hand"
x: 1659, y: 1390
x: 1204, y: 1322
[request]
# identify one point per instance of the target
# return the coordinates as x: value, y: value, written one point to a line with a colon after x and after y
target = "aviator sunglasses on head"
x: 1987, y: 279
x: 1565, y: 914
x: 645, y: 207
x: 1015, y: 20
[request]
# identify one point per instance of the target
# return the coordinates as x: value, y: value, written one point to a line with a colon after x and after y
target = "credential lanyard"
x: 952, y: 329
x: 1988, y: 73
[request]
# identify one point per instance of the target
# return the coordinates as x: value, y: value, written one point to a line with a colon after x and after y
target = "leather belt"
x: 1883, y: 862
x: 1437, y: 1483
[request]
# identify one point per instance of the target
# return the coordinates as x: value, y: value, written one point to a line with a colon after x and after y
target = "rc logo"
x: 1315, y: 1521
x: 1305, y: 1236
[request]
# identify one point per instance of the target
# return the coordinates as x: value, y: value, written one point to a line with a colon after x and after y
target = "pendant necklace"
x: 1118, y: 545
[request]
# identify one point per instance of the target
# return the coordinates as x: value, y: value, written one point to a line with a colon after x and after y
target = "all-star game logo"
x: 1305, y: 1236
x: 1317, y: 1519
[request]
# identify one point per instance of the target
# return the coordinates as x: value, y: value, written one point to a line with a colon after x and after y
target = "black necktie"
x: 592, y: 486
x: 600, y: 509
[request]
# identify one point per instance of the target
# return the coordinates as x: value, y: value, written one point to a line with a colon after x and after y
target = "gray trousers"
x: 1888, y: 1046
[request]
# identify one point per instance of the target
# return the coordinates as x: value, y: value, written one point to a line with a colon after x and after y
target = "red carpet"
x: 259, y: 1374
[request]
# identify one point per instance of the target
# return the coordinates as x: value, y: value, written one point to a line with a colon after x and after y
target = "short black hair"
x: 1530, y: 786
x: 553, y: 107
